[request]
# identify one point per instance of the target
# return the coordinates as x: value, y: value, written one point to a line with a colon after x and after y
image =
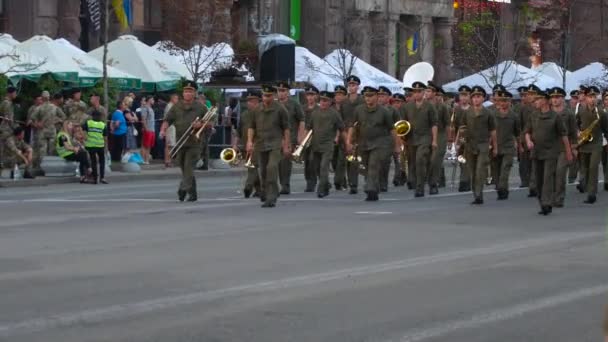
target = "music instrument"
x: 402, y: 128
x: 354, y: 157
x: 586, y: 135
x: 233, y: 158
x: 209, y: 116
x: 419, y: 72
x: 297, y: 154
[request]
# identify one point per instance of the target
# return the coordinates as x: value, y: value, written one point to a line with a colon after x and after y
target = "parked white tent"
x: 593, y: 73
x: 369, y: 75
x: 157, y: 71
x: 557, y: 73
x: 313, y: 69
x: 508, y: 73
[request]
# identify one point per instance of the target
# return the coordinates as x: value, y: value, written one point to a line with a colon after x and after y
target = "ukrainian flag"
x: 122, y: 8
x: 412, y: 44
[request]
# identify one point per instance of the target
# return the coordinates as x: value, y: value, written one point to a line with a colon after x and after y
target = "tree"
x: 198, y: 24
x: 14, y: 63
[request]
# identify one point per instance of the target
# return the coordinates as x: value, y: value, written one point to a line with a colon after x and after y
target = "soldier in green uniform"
x: 443, y: 122
x: 76, y: 109
x: 480, y: 133
x: 96, y: 106
x: 7, y: 117
x: 591, y: 152
x: 376, y: 139
x: 253, y: 180
x: 400, y: 177
x: 498, y: 88
x: 296, y: 128
x: 508, y: 131
x: 339, y: 157
x: 326, y: 126
x: 464, y: 104
x: 270, y: 132
x: 604, y: 112
x: 182, y: 115
x: 558, y: 106
x: 544, y: 133
x: 522, y: 110
x: 353, y: 100
x: 528, y: 114
x: 573, y: 169
x: 45, y: 119
x: 19, y: 152
x: 310, y: 174
x: 422, y: 139
x: 384, y: 96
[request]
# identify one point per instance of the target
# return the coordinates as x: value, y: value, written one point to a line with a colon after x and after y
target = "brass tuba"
x: 402, y: 128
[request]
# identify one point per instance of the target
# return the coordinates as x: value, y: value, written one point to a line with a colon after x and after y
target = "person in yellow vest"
x: 95, y: 143
x: 66, y: 150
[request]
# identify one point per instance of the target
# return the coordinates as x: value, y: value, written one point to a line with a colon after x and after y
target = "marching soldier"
x: 339, y: 158
x: 296, y: 127
x: 376, y: 139
x: 544, y: 133
x: 528, y: 114
x: 253, y: 181
x: 422, y: 138
x: 7, y: 117
x: 464, y: 104
x: 443, y: 122
x: 498, y: 88
x: 384, y: 96
x: 310, y: 174
x: 183, y: 115
x: 269, y: 131
x: 507, y: 135
x: 558, y: 106
x: 592, y: 121
x: 353, y: 100
x: 326, y: 126
x: 480, y: 133
x: 20, y: 153
x: 523, y: 110
x: 45, y: 119
x: 573, y: 169
x: 400, y: 177
x: 604, y: 110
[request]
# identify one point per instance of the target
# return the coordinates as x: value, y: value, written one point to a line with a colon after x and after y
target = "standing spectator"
x: 118, y: 130
x: 96, y: 106
x: 131, y: 119
x: 170, y: 134
x: 96, y: 140
x: 147, y: 121
x: 231, y: 113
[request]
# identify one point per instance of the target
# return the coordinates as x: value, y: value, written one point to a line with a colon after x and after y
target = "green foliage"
x: 27, y: 91
x: 3, y: 85
x: 113, y: 92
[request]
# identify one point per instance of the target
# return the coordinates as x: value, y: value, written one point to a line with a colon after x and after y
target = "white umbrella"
x: 17, y: 64
x: 157, y: 71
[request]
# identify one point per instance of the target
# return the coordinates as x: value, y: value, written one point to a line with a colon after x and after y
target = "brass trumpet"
x: 233, y: 158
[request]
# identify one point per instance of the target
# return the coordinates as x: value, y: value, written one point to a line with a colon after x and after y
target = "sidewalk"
x: 148, y: 173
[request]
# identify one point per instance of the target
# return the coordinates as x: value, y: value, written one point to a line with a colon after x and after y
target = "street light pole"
x: 105, y: 53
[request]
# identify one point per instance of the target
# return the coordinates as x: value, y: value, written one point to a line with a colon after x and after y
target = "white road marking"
x: 373, y: 212
x: 503, y: 314
x: 120, y: 311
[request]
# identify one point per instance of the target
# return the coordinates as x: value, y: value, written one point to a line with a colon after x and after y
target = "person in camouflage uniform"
x: 45, y: 120
x: 7, y: 123
x: 76, y: 109
x: 19, y: 152
x: 96, y: 106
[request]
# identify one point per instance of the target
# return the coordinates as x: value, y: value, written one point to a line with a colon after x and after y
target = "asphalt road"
x: 127, y: 262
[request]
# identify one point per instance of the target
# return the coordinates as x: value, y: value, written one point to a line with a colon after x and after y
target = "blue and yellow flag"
x: 412, y: 44
x: 122, y: 8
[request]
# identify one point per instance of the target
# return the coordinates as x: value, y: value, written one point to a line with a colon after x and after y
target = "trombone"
x: 209, y: 116
x: 297, y: 154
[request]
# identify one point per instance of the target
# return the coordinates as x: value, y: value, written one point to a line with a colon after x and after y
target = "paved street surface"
x: 127, y: 262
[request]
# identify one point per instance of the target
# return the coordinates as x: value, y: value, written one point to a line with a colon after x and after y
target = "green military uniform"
x: 508, y: 131
x: 604, y: 112
x: 375, y: 143
x: 546, y: 130
x: 269, y: 125
x: 49, y: 115
x: 324, y: 125
x: 464, y: 183
x: 310, y: 174
x: 295, y: 115
x: 76, y: 111
x: 479, y: 126
x: 437, y: 156
x: 574, y: 166
x: 422, y: 119
x: 526, y: 165
x: 339, y: 156
x: 6, y: 127
x: 348, y: 117
x: 182, y: 115
x: 591, y: 152
x: 386, y: 168
x: 561, y: 174
x: 15, y: 146
x: 253, y: 180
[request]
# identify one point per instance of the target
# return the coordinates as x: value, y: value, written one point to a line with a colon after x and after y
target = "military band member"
x: 573, y: 169
x: 268, y: 136
x: 240, y: 141
x: 376, y: 139
x: 384, y: 97
x: 591, y: 152
x: 480, y: 133
x: 353, y: 100
x: 400, y: 177
x: 523, y: 110
x: 464, y: 104
x: 296, y: 127
x: 310, y: 174
x: 326, y: 126
x: 544, y: 133
x: 604, y: 112
x: 339, y: 157
x: 433, y: 95
x: 498, y: 88
x: 532, y: 112
x: 182, y: 115
x: 507, y: 134
x: 558, y: 106
x: 423, y: 136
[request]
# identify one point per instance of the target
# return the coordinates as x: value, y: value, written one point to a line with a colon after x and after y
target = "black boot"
x: 285, y: 191
x: 247, y: 192
x: 606, y: 185
x: 353, y: 191
x: 532, y: 193
x: 477, y: 201
x: 181, y: 195
x: 434, y: 190
x: 419, y: 194
x: 590, y: 199
x: 580, y: 188
x: 28, y: 175
x: 268, y: 205
x: 372, y: 196
x: 545, y: 210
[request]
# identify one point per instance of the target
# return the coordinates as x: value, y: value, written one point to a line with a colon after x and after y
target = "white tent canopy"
x: 369, y: 75
x: 7, y: 39
x: 593, y: 73
x: 75, y: 49
x: 508, y: 73
x: 157, y: 70
x: 558, y: 73
x: 313, y: 69
x: 17, y: 64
